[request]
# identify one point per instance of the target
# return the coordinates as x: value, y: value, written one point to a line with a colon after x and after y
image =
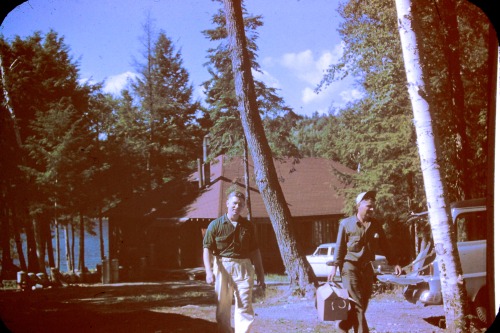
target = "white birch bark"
x: 454, y: 296
x: 7, y: 103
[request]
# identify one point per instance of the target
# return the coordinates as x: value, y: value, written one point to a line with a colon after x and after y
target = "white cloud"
x: 267, y: 78
x: 116, y: 83
x: 199, y: 94
x: 308, y: 67
x: 324, y: 95
x: 351, y: 95
x: 302, y: 65
x: 298, y: 74
x: 86, y: 81
x: 308, y: 95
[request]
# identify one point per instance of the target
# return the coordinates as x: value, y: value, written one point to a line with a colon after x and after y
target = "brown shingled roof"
x: 309, y: 185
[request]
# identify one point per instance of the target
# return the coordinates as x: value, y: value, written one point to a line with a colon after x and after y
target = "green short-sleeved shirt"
x: 225, y: 240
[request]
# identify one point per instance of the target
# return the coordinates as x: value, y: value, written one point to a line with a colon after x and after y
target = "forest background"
x: 70, y: 151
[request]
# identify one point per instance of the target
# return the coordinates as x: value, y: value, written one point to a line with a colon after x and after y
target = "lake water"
x: 92, y: 249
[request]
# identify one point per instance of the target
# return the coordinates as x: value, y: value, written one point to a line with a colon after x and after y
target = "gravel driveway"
x: 188, y: 306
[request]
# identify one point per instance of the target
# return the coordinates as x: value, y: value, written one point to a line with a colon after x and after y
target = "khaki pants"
x: 234, y: 277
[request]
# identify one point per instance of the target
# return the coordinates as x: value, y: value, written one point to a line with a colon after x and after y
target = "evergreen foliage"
x: 375, y: 135
x: 54, y: 154
x: 165, y: 93
x: 226, y: 133
x: 81, y: 151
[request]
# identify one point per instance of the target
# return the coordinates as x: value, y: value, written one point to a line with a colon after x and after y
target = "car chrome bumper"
x: 428, y: 297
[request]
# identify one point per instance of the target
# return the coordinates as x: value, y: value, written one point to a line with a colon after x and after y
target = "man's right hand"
x: 332, y: 273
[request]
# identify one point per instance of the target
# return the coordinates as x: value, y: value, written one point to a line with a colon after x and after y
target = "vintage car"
x: 423, y: 284
x: 324, y: 254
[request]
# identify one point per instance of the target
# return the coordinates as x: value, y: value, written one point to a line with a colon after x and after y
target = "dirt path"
x: 186, y: 306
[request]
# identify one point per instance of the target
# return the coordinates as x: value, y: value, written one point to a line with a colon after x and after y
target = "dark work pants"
x: 358, y: 280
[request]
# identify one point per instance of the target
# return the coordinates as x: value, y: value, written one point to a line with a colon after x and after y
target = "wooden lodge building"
x: 163, y: 230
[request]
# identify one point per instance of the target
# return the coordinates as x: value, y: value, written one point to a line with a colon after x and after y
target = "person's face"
x: 234, y: 206
x: 366, y: 209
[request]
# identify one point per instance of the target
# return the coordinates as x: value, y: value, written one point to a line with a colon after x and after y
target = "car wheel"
x: 480, y: 307
x: 412, y: 294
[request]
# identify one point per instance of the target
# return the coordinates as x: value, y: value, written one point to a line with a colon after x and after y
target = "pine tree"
x: 226, y: 132
x: 166, y: 104
x: 55, y: 132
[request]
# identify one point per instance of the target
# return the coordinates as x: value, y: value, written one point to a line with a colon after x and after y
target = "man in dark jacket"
x: 358, y: 238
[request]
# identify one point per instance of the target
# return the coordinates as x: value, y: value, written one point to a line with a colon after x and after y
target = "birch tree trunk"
x: 452, y: 286
x: 298, y: 269
x: 8, y: 104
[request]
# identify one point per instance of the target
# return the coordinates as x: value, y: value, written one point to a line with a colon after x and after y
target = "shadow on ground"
x: 111, y: 308
x: 438, y: 321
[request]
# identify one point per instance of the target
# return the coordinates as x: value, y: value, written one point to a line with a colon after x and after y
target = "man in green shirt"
x: 232, y: 241
x: 359, y: 238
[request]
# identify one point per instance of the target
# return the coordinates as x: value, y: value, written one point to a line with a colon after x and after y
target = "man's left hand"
x: 261, y: 284
x: 397, y: 270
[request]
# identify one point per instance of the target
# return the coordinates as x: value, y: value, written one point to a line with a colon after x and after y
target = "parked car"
x: 324, y: 254
x: 423, y: 284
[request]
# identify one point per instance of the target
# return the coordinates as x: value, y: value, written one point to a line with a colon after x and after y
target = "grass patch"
x: 387, y: 291
x: 8, y: 285
x: 281, y: 278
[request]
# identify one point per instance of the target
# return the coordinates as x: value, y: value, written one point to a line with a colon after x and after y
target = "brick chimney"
x: 204, y: 166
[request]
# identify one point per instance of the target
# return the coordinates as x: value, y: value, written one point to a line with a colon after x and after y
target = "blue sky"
x: 298, y: 41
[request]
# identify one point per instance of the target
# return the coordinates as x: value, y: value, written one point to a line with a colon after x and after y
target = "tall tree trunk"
x: 72, y: 252
x: 31, y: 244
x: 69, y: 264
x: 453, y: 289
x: 58, y: 245
x: 101, y: 236
x: 7, y: 263
x: 47, y: 235
x: 81, y: 257
x: 298, y: 269
x: 451, y: 45
x: 151, y: 152
x: 18, y: 241
x: 247, y: 180
x: 40, y: 244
